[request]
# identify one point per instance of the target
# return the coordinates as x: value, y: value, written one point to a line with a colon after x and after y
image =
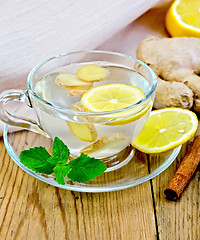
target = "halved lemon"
x: 183, y: 18
x: 113, y: 96
x: 166, y: 129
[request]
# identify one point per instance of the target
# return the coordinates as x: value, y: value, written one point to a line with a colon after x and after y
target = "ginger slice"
x: 92, y: 73
x: 78, y: 107
x: 71, y: 80
x: 103, y: 143
x: 78, y: 90
x: 83, y: 131
x: 80, y: 87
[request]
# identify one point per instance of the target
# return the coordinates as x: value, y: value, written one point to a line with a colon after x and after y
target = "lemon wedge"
x: 183, y: 18
x: 166, y: 129
x: 92, y: 73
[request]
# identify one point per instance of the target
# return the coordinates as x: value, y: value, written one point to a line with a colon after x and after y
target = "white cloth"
x: 32, y: 31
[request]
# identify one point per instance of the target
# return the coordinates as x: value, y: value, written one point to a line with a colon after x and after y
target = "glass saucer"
x: 140, y: 169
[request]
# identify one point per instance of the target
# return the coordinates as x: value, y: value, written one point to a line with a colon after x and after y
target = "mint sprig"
x: 80, y: 169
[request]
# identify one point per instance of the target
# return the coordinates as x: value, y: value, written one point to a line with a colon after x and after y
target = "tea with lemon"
x: 99, y: 96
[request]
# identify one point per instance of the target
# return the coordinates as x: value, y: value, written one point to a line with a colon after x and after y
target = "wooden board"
x: 31, y: 209
x: 180, y: 219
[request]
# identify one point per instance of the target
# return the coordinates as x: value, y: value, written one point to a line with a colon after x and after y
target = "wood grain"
x: 180, y: 219
x: 31, y: 209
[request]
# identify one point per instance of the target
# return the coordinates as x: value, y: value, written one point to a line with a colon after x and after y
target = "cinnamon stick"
x: 185, y: 171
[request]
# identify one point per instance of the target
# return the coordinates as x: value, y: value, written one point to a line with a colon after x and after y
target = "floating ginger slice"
x: 78, y: 107
x: 75, y: 86
x: 103, y: 143
x: 83, y: 131
x: 92, y: 73
x: 71, y: 80
x: 78, y: 90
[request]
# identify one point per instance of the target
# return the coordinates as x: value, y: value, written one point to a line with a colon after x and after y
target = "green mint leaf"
x: 85, y: 168
x: 36, y: 159
x: 61, y: 172
x: 55, y: 160
x: 60, y: 152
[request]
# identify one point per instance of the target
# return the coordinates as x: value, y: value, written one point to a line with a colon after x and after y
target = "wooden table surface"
x: 31, y: 209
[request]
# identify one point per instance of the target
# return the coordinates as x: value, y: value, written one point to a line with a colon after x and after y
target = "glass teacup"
x: 106, y: 135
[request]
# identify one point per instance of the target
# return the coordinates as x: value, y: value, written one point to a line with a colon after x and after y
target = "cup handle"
x: 17, y: 95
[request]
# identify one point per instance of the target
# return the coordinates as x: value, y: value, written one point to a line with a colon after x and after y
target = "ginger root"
x: 176, y: 62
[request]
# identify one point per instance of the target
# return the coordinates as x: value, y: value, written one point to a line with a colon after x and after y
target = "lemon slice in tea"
x: 113, y: 96
x: 166, y: 129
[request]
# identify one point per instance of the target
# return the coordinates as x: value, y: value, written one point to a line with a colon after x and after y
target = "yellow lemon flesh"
x: 166, y: 129
x: 183, y: 18
x: 113, y: 96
